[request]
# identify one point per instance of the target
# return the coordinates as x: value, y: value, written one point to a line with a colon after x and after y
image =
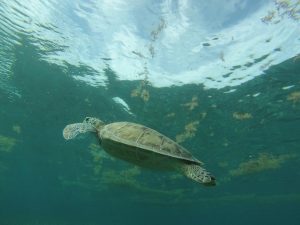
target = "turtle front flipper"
x: 198, y: 174
x: 72, y: 130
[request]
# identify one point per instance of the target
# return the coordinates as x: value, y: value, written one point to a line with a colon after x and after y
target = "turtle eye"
x: 87, y: 119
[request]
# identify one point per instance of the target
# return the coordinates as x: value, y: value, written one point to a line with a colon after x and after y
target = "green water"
x: 251, y: 145
x: 248, y: 134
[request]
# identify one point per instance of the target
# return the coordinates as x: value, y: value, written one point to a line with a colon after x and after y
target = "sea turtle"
x: 142, y: 146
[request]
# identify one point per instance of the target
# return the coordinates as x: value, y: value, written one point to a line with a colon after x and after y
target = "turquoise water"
x: 244, y: 128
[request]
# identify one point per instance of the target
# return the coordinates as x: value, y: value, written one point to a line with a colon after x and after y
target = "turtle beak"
x: 86, y: 119
x: 211, y: 183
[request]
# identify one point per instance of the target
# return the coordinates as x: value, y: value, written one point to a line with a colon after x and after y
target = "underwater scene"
x: 218, y: 83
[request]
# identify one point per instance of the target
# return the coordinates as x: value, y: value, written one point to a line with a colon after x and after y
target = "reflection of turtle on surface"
x: 142, y: 146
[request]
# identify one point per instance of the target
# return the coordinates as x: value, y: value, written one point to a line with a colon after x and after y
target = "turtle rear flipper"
x: 72, y: 130
x: 198, y: 174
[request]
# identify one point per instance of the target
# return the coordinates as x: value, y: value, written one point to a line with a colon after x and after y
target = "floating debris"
x: 242, y: 116
x: 296, y: 58
x: 264, y: 161
x: 221, y: 56
x: 189, y: 132
x: 230, y: 91
x: 135, y: 92
x: 145, y: 95
x: 287, y: 87
x: 192, y: 104
x: 141, y: 91
x: 170, y: 115
x: 138, y: 54
x: 294, y: 97
x: 125, y: 106
x: 106, y: 59
x: 283, y: 8
x: 156, y: 31
x: 98, y: 156
x: 269, y: 17
x: 151, y: 50
x: 17, y: 129
x: 7, y: 143
x: 123, y: 178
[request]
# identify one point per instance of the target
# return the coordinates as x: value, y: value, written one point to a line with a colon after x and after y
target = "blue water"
x: 236, y: 109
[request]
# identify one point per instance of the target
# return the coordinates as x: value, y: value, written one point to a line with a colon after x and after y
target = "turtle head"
x: 94, y: 122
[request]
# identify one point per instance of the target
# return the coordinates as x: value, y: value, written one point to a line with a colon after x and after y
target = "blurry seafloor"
x: 249, y: 141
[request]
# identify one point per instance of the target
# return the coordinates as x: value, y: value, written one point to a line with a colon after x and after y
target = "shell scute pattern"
x: 146, y: 138
x: 150, y: 139
x: 123, y: 130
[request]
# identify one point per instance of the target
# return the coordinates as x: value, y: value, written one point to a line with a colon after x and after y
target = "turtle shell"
x: 132, y: 142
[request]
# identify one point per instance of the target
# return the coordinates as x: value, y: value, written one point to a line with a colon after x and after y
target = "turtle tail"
x: 198, y: 174
x: 72, y: 130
